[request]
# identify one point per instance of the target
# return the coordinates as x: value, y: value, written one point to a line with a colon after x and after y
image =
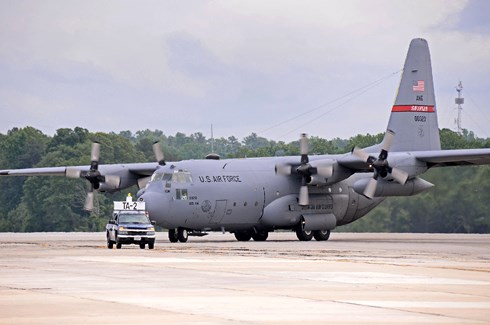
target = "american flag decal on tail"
x: 419, y: 85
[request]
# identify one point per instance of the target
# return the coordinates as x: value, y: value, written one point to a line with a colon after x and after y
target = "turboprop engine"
x: 317, y: 172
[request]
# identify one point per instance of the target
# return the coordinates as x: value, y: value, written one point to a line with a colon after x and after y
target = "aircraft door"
x: 219, y: 211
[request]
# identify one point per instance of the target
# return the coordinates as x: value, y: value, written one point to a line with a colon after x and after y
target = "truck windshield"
x: 133, y: 218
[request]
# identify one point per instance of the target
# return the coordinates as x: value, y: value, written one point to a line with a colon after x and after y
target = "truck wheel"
x: 142, y: 246
x: 118, y: 245
x: 110, y: 244
x: 151, y: 245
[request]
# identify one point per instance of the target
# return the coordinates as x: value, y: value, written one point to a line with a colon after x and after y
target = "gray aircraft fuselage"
x: 240, y: 194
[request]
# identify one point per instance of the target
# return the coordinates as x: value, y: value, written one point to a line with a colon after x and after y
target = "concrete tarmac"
x: 72, y: 278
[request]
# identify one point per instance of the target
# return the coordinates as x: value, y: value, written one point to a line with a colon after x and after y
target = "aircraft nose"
x: 157, y: 206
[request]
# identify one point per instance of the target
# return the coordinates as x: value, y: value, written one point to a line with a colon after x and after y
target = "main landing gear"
x: 307, y: 235
x: 246, y: 235
x: 178, y: 235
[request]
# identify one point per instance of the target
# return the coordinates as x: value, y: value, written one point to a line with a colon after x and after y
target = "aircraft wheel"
x: 321, y: 235
x: 142, y: 246
x: 260, y: 236
x: 182, y: 235
x: 172, y: 236
x: 304, y: 235
x: 151, y: 245
x: 243, y: 235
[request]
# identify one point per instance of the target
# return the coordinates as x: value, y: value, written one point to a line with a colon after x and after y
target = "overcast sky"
x: 277, y: 68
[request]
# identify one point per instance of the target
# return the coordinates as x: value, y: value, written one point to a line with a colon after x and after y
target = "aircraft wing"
x: 44, y: 171
x: 461, y: 157
x: 354, y: 164
x: 137, y: 169
x: 433, y: 158
x: 126, y: 174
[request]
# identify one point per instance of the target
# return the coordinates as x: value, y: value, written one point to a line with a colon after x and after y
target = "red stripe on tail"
x: 413, y: 108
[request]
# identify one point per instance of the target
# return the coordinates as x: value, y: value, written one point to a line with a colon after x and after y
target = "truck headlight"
x: 122, y: 230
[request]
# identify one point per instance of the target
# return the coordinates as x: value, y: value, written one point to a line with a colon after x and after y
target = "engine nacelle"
x: 328, y: 172
x: 108, y: 187
x: 390, y: 188
x: 114, y: 183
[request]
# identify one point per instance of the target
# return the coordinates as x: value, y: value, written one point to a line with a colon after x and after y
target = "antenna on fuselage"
x: 212, y: 139
x: 212, y: 155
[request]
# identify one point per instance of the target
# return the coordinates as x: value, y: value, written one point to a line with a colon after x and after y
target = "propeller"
x: 380, y: 165
x: 93, y: 176
x: 305, y: 169
x: 158, y: 152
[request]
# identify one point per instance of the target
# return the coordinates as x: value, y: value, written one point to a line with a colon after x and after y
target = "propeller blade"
x: 399, y: 175
x: 71, y: 172
x: 89, y: 201
x: 388, y: 140
x: 95, y: 154
x: 370, y: 189
x: 283, y: 170
x: 325, y: 171
x: 303, y: 195
x: 303, y: 144
x: 361, y: 154
x: 157, y: 150
x: 113, y: 180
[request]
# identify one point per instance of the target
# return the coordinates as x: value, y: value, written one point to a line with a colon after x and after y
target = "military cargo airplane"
x: 308, y: 194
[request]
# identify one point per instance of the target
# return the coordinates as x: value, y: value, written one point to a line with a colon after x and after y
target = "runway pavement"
x: 72, y: 278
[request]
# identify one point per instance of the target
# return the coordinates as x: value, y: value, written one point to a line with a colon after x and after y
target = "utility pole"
x: 459, y: 101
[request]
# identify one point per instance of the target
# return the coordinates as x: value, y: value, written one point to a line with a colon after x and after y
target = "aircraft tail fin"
x: 414, y: 115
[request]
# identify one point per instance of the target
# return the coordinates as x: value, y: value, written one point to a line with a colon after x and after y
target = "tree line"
x: 457, y: 204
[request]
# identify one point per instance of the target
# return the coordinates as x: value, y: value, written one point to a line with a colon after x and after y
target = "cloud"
x: 244, y: 66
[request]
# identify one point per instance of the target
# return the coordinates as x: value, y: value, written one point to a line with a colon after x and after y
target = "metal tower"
x: 459, y: 101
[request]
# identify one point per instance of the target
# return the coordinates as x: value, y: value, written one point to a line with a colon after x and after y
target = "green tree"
x: 20, y: 148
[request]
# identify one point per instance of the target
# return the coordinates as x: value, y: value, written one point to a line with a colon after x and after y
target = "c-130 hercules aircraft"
x: 310, y: 195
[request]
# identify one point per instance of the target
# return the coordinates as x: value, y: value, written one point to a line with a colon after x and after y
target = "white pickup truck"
x: 130, y: 224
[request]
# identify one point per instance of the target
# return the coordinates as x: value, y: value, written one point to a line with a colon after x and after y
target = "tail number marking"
x: 419, y: 118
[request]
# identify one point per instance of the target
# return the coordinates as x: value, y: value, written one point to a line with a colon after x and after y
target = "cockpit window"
x: 182, y: 176
x: 158, y: 176
x: 178, y: 176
